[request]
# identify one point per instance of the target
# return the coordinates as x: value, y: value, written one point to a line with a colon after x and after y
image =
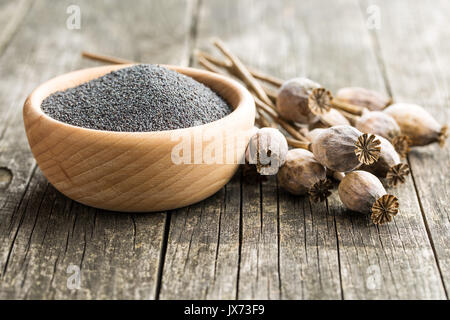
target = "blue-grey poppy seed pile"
x: 140, y: 98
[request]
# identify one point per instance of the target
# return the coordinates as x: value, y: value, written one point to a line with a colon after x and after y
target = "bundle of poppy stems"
x: 307, y: 137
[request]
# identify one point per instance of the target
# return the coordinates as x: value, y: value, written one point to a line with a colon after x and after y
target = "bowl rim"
x: 245, y: 98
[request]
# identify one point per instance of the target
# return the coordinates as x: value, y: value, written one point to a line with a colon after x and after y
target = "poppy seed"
x: 139, y: 98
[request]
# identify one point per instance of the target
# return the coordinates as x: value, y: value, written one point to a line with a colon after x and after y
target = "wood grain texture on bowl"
x: 134, y: 171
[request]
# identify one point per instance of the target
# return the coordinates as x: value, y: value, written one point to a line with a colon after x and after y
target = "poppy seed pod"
x: 302, y: 174
x: 363, y: 192
x: 344, y: 148
x: 267, y: 149
x: 415, y: 122
x: 382, y: 124
x: 292, y: 100
x: 366, y: 98
x: 388, y: 165
x: 379, y: 123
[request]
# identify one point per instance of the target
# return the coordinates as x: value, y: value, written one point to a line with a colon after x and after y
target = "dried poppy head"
x: 344, y: 148
x: 415, y: 122
x: 382, y: 124
x: 388, y: 165
x: 319, y: 101
x: 267, y: 149
x: 292, y: 100
x: 363, y: 192
x: 302, y: 174
x: 378, y: 123
x: 367, y: 148
x: 366, y: 98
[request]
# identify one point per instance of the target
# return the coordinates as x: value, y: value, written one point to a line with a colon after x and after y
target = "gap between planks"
x: 191, y: 41
x: 20, y: 11
x: 376, y: 46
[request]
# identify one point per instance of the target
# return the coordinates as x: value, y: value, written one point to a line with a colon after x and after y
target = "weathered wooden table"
x: 247, y: 241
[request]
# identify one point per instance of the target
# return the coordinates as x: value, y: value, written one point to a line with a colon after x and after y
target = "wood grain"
x: 247, y: 240
x: 423, y: 78
x: 202, y: 250
x: 267, y: 254
x: 12, y: 14
x: 324, y: 59
x: 368, y: 255
x: 42, y: 232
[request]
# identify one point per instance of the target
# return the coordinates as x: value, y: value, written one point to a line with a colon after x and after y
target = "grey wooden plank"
x: 202, y: 248
x: 309, y: 263
x: 392, y: 261
x: 12, y: 14
x: 267, y: 252
x: 388, y: 262
x: 419, y: 33
x: 43, y: 232
x: 259, y: 274
x: 299, y: 251
x: 329, y: 43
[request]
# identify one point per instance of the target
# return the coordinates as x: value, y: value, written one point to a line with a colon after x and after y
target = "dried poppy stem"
x: 206, y: 60
x: 228, y: 65
x: 285, y: 125
x: 242, y: 72
x: 261, y: 120
x: 349, y: 116
x: 298, y: 144
x: 209, y: 66
x: 271, y: 93
x: 267, y: 78
x: 205, y: 63
x: 104, y: 58
x: 338, y: 175
x: 212, y: 59
x: 389, y: 102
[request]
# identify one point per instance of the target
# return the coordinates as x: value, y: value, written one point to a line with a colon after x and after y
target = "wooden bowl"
x: 135, y: 171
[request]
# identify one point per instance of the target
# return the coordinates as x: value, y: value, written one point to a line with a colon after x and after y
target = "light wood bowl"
x: 134, y: 171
